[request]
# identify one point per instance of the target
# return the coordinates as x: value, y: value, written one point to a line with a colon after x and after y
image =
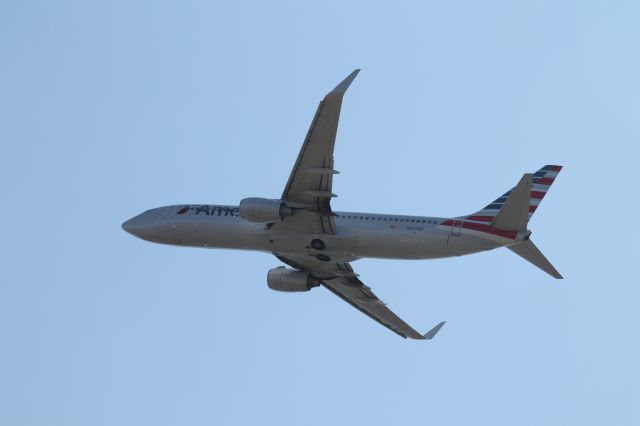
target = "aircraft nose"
x: 130, y: 226
x: 149, y: 227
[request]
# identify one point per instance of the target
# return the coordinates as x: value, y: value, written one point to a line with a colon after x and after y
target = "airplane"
x: 319, y: 244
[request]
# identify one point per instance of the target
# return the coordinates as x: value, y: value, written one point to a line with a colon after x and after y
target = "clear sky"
x: 110, y: 108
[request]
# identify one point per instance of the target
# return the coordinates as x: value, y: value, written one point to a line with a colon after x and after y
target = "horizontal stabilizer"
x: 514, y: 214
x: 528, y: 251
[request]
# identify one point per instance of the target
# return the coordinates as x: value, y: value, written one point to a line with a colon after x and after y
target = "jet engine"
x: 263, y: 210
x: 285, y: 279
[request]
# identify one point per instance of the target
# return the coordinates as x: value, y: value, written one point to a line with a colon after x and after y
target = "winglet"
x: 431, y: 334
x: 341, y: 88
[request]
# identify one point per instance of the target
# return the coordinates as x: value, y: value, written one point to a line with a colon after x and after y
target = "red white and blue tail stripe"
x: 542, y: 181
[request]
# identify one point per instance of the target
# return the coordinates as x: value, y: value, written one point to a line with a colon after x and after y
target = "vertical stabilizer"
x: 514, y: 214
x: 528, y: 251
x: 538, y: 186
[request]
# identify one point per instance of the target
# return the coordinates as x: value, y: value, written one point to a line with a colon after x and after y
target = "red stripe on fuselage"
x: 482, y: 228
x: 481, y: 218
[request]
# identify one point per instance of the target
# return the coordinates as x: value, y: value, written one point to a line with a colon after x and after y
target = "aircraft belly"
x: 232, y: 233
x: 406, y: 243
x: 398, y: 243
x: 467, y: 242
x: 336, y: 247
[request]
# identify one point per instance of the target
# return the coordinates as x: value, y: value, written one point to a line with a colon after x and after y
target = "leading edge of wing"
x: 358, y: 295
x: 311, y: 179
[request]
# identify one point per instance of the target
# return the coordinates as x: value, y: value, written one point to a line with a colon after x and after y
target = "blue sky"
x: 110, y: 108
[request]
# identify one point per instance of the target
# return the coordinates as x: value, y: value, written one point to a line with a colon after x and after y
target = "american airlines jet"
x: 319, y: 244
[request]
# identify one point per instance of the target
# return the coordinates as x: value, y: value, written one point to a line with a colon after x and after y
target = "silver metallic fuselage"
x: 358, y: 235
x: 303, y: 231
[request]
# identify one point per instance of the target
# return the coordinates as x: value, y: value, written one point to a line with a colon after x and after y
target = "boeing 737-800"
x: 318, y: 244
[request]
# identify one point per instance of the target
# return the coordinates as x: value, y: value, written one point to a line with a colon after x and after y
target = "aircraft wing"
x: 358, y: 295
x: 340, y: 279
x: 310, y: 182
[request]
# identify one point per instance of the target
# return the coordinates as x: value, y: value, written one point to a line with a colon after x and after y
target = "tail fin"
x: 513, y: 209
x: 528, y: 251
x: 540, y: 182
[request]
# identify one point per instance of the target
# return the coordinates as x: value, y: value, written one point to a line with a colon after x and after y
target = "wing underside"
x: 311, y: 180
x: 309, y: 191
x: 360, y: 296
x: 341, y: 280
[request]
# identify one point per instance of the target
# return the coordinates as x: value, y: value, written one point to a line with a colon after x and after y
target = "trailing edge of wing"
x: 358, y: 295
x: 311, y: 180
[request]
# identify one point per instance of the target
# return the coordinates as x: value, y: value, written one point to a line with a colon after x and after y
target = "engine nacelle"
x: 285, y: 279
x: 263, y: 210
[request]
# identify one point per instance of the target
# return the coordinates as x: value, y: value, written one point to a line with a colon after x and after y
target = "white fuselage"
x: 357, y: 235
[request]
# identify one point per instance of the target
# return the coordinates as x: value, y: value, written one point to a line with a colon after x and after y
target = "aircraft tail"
x: 529, y: 252
x: 513, y: 209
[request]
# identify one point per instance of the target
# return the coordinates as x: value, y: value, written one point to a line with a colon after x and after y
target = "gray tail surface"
x: 513, y: 209
x: 514, y: 214
x: 529, y: 252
